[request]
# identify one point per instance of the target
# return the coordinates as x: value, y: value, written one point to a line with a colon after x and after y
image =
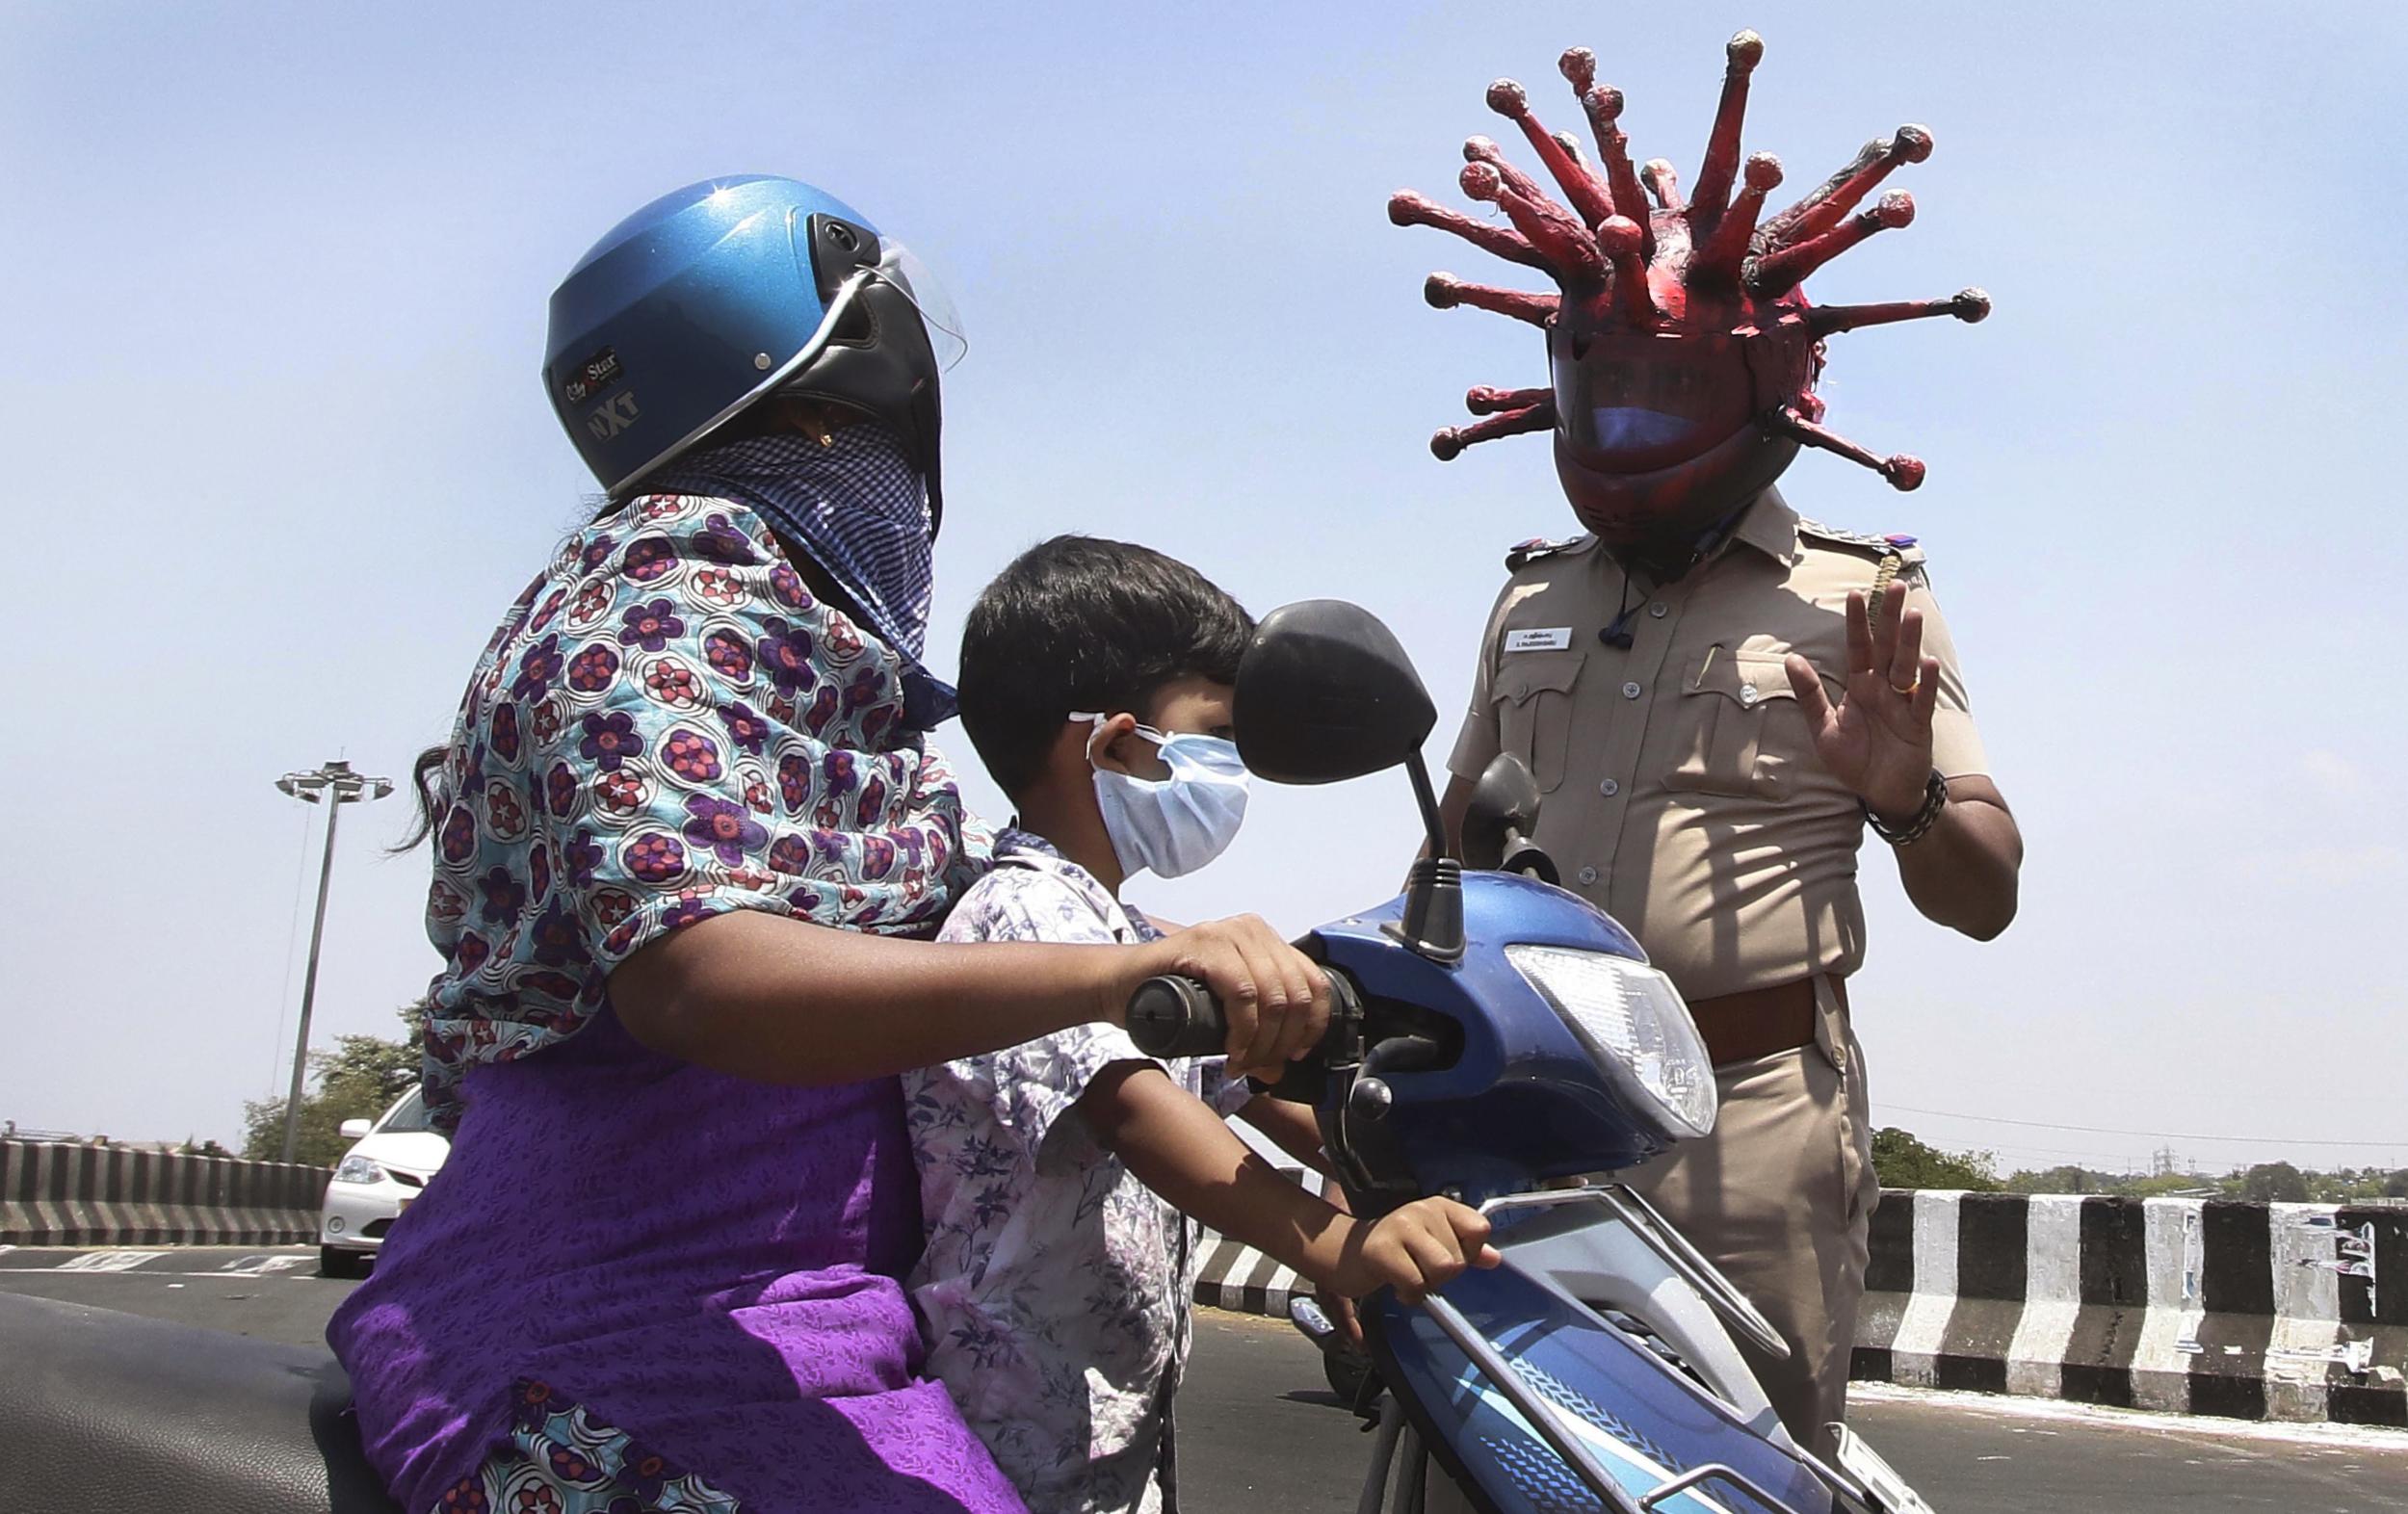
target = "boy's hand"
x: 1277, y: 998
x: 1423, y: 1245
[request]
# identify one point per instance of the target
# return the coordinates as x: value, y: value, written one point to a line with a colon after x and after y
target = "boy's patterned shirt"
x: 1054, y: 1291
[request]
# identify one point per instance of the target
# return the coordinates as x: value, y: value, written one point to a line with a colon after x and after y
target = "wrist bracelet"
x: 1935, y: 800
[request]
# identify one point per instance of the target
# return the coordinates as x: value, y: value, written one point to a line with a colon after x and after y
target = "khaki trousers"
x: 1781, y: 1196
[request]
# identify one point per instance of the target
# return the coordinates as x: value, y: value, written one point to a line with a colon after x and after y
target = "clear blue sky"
x: 273, y: 284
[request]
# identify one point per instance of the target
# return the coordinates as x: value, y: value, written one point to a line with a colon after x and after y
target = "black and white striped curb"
x: 1244, y: 1281
x: 1236, y: 1277
x: 2296, y: 1312
x: 61, y: 1194
x: 2291, y: 1312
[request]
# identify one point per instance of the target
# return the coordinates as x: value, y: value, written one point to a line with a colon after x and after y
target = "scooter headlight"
x: 1633, y: 1021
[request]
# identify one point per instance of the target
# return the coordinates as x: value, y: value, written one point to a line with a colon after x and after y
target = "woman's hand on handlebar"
x: 1422, y: 1246
x: 1275, y: 998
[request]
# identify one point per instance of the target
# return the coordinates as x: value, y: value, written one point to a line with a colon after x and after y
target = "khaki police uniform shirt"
x: 1682, y: 791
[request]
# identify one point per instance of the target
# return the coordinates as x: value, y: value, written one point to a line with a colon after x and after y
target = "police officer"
x: 1711, y: 750
x: 1720, y: 698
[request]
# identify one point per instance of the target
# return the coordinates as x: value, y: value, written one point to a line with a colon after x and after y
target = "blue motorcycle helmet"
x: 722, y: 292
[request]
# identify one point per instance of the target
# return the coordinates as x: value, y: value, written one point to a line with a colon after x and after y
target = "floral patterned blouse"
x: 1052, y: 1296
x: 632, y: 1267
x: 667, y: 726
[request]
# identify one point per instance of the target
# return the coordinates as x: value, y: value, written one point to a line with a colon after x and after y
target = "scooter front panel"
x: 1659, y: 1427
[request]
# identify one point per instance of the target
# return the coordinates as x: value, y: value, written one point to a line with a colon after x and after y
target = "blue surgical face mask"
x: 1171, y: 827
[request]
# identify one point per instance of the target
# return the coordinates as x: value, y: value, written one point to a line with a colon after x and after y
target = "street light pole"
x: 335, y: 785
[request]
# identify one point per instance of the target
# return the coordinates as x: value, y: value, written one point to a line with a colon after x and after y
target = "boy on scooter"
x: 1060, y: 1178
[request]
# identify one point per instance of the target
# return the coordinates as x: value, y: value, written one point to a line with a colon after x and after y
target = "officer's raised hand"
x: 1877, y: 740
x: 1958, y: 849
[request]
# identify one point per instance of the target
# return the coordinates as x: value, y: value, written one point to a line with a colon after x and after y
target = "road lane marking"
x: 179, y: 1261
x: 259, y: 1265
x: 108, y: 1261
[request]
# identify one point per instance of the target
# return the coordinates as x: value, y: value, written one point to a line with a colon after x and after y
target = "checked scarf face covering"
x: 858, y: 507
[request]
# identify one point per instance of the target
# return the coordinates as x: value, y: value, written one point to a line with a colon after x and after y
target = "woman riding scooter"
x: 687, y: 830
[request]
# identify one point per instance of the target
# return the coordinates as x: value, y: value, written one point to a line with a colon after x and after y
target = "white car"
x: 387, y: 1166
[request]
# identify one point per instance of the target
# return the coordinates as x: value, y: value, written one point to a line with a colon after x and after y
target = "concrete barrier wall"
x: 2248, y: 1311
x: 61, y: 1194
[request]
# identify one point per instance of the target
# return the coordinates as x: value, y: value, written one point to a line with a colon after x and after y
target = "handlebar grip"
x: 1175, y: 1016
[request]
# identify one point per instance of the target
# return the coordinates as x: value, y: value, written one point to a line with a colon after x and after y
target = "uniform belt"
x: 1759, y: 1022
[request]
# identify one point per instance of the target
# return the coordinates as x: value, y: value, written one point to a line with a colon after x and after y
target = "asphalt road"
x: 1261, y: 1433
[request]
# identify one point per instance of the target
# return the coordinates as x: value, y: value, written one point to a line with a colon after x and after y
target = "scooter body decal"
x: 1662, y: 1423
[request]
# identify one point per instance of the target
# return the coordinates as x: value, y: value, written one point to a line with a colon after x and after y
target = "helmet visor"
x: 903, y: 268
x: 1635, y: 404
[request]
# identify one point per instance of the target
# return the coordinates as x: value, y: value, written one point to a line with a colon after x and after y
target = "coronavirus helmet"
x: 718, y: 294
x: 1683, y: 349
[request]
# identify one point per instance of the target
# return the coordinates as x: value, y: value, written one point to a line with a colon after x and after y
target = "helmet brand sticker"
x: 613, y: 416
x: 593, y: 376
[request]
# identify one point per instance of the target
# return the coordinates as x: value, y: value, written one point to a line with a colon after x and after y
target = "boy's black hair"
x: 1082, y: 623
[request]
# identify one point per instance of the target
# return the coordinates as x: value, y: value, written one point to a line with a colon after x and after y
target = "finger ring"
x: 1910, y: 689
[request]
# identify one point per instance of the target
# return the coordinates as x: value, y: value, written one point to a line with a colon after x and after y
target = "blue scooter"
x: 1494, y: 1038
x: 1493, y: 1035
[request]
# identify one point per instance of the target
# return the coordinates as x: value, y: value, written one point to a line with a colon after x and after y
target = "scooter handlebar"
x: 1176, y: 1016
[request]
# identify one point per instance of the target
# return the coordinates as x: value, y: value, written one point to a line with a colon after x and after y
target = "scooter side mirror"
x: 1503, y: 811
x: 1326, y: 692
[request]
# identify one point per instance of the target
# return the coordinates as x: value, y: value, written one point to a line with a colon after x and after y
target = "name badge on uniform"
x: 1552, y: 639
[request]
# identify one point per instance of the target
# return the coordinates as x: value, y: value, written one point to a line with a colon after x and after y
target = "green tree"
x: 2057, y: 1180
x: 2275, y: 1183
x: 2156, y: 1186
x: 357, y: 1079
x: 1905, y: 1163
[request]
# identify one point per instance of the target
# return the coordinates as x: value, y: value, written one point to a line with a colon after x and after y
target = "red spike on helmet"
x: 1445, y: 292
x: 1592, y: 199
x: 1487, y: 401
x: 1968, y: 306
x: 1821, y: 211
x: 1721, y: 258
x: 1602, y: 106
x: 1408, y: 209
x: 1685, y: 352
x: 1777, y: 272
x: 1903, y: 471
x: 1548, y: 227
x: 1448, y: 444
x: 1722, y: 150
x: 1662, y: 181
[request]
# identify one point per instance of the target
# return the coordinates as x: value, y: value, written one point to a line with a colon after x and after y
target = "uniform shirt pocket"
x: 1534, y: 699
x: 1738, y: 731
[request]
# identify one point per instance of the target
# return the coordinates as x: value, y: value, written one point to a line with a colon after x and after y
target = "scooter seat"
x: 108, y: 1411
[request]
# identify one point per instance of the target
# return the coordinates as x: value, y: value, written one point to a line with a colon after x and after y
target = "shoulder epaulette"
x: 1538, y: 548
x: 1897, y: 543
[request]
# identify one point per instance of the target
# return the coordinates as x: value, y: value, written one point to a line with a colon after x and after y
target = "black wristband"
x: 1935, y: 800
